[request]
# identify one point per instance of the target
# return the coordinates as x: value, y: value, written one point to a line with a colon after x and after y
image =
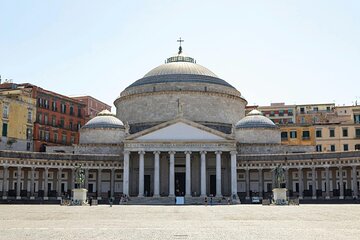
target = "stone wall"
x: 15, y: 144
x: 99, y: 149
x: 196, y: 106
x: 272, y: 149
x: 101, y: 135
x: 258, y: 135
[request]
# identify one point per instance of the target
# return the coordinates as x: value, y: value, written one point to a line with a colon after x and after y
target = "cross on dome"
x: 180, y: 48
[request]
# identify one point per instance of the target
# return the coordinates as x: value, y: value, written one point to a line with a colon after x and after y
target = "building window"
x: 316, y: 109
x: 290, y: 112
x: 46, y: 103
x: 53, y: 121
x: 63, y: 140
x: 47, y: 136
x: 4, y: 129
x: 29, y: 133
x: 62, y: 122
x: 345, y: 132
x: 53, y: 106
x: 72, y: 139
x: 284, y: 135
x: 79, y: 112
x: 6, y: 111
x: 28, y: 146
x: 281, y: 113
x: 306, y: 135
x: 318, y: 133
x: 78, y: 126
x: 302, y: 110
x: 71, y: 125
x: 63, y: 108
x: 319, y: 148
x: 328, y: 109
x: 357, y: 132
x: 293, y: 134
x: 332, y: 132
x: 55, y: 137
x: 332, y: 148
x: 357, y: 147
x: 272, y: 114
x: 302, y: 120
x: 346, y: 147
x: 29, y: 117
x: 356, y: 118
x: 46, y: 119
x: 71, y: 110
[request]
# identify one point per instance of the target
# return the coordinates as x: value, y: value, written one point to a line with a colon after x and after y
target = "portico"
x: 180, y: 158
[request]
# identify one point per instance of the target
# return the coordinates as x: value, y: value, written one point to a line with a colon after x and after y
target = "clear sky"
x: 271, y: 50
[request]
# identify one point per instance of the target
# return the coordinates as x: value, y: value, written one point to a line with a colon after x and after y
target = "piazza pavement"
x: 180, y: 222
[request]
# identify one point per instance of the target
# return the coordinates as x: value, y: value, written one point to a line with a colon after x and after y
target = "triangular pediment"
x: 179, y: 130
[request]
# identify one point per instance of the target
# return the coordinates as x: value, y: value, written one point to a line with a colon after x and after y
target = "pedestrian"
x: 211, y: 201
x: 228, y: 200
x: 111, y: 201
x: 90, y: 201
x: 205, y: 201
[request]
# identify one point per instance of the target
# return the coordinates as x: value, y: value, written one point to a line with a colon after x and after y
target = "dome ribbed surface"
x: 180, y: 72
x: 255, y: 119
x: 104, y: 119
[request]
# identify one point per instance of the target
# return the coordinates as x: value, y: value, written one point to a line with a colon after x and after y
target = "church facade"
x: 180, y: 131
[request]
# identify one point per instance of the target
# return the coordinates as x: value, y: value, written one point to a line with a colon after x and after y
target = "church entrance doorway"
x: 213, y: 185
x: 180, y: 184
x: 146, y: 185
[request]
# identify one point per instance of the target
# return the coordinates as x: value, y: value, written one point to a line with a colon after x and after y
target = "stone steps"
x: 171, y: 201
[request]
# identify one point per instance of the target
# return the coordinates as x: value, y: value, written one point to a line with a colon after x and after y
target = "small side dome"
x: 104, y: 119
x: 255, y: 119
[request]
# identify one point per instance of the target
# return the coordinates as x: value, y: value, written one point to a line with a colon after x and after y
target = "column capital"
x: 112, y: 170
x: 19, y: 167
x: 218, y: 152
x: 126, y: 152
x: 233, y: 152
x: 141, y: 152
x: 340, y: 167
x: 156, y: 152
x: 203, y: 152
x: 172, y: 152
x: 33, y: 168
x: 188, y: 152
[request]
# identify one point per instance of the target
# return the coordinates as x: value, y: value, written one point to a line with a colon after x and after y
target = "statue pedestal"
x: 280, y: 196
x: 80, y: 195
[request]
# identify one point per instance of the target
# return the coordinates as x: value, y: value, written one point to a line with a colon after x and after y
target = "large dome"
x: 180, y: 68
x: 180, y: 87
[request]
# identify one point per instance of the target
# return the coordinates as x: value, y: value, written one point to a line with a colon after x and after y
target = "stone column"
x: 233, y: 173
x: 354, y: 182
x: 5, y: 182
x: 86, y: 180
x: 126, y: 173
x: 188, y: 175
x: 18, y: 183
x: 313, y: 174
x: 287, y: 182
x: 327, y: 195
x: 172, y: 174
x: 112, y: 183
x: 99, y: 191
x: 301, y: 183
x: 156, y: 174
x: 72, y: 178
x: 141, y: 173
x: 341, y: 184
x: 247, y: 183
x: 272, y: 179
x: 261, y: 184
x: 32, y: 190
x: 46, y: 181
x: 58, y: 188
x: 218, y: 174
x: 203, y: 174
